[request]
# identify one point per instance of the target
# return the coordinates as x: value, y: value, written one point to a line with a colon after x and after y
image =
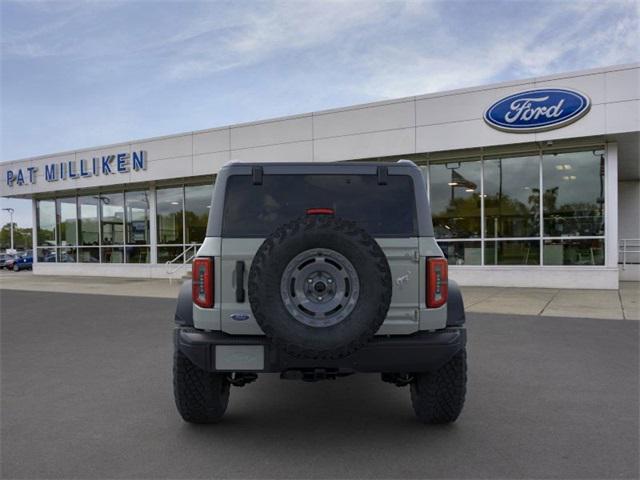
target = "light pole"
x: 10, y: 210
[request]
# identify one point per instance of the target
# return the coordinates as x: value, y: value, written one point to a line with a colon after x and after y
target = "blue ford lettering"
x: 80, y: 168
x: 537, y: 110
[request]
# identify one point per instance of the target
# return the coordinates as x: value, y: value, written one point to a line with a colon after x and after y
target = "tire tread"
x: 438, y: 397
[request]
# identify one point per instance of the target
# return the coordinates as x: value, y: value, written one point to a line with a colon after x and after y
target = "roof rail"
x: 406, y: 161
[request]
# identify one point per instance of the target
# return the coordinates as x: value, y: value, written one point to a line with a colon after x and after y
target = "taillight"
x: 202, y: 284
x: 437, y: 282
x: 320, y: 211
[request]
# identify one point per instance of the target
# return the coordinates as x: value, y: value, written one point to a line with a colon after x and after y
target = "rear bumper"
x: 420, y: 352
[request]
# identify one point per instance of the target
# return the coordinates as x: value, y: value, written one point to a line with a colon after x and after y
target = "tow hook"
x: 398, y: 379
x: 241, y: 379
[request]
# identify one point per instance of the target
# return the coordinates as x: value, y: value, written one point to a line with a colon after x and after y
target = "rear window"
x: 257, y: 210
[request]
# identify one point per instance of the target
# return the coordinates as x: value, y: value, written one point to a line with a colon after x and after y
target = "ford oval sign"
x: 537, y: 110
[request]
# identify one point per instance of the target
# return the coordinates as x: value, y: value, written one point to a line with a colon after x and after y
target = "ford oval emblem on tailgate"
x: 239, y: 317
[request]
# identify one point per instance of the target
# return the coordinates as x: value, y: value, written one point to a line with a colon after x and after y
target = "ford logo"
x: 537, y: 110
x: 239, y: 317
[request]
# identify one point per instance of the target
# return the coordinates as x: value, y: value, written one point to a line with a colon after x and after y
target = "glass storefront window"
x: 47, y: 254
x: 137, y: 218
x: 66, y: 255
x: 46, y: 218
x: 166, y: 254
x: 112, y: 255
x: 462, y: 253
x: 137, y: 254
x: 455, y: 199
x: 197, y: 200
x: 512, y: 197
x: 89, y: 255
x: 573, y: 197
x: 169, y: 209
x: 512, y: 252
x: 574, y: 252
x: 67, y: 221
x: 112, y: 218
x: 88, y: 220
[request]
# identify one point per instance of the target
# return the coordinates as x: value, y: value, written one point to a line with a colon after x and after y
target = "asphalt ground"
x: 86, y: 393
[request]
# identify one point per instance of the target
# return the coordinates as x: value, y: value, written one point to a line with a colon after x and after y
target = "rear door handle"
x: 240, y: 281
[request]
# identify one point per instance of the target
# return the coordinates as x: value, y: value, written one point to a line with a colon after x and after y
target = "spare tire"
x: 320, y: 287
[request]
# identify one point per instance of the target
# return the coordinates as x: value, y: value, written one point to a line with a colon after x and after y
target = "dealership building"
x: 533, y: 182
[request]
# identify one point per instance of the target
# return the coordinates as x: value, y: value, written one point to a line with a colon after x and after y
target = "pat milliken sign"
x: 105, y: 165
x: 537, y: 110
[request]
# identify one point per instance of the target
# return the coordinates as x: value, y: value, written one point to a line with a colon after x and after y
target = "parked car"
x: 4, y: 259
x: 22, y: 262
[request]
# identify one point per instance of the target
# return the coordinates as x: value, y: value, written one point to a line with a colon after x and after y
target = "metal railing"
x: 186, y: 256
x: 628, y: 246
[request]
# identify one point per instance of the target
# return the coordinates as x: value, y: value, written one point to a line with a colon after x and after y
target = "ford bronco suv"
x: 317, y: 271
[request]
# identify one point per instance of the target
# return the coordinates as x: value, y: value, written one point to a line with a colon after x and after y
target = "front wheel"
x: 438, y: 397
x: 201, y: 396
x: 16, y: 268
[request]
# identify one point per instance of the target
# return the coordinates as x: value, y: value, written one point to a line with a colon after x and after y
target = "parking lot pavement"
x: 86, y: 393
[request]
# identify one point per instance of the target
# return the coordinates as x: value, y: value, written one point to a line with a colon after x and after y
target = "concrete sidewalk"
x: 610, y: 304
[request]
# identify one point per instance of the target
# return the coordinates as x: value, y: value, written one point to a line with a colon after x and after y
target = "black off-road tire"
x: 201, y: 397
x: 322, y: 232
x: 438, y: 397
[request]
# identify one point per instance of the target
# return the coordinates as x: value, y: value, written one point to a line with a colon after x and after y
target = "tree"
x: 22, y: 237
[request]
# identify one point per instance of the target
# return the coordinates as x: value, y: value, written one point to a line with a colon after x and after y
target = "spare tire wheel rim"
x: 320, y: 287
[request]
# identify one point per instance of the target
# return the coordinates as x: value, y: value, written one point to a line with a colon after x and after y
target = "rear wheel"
x: 201, y: 396
x: 438, y: 397
x: 16, y: 268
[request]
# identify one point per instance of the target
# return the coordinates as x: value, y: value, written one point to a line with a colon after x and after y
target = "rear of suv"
x: 318, y: 271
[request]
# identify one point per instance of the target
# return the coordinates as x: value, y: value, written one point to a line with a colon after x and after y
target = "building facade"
x: 532, y: 183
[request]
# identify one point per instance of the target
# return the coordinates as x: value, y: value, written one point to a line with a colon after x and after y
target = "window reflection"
x: 46, y: 255
x: 112, y: 255
x: 169, y: 208
x: 196, y: 212
x: 88, y: 220
x: 462, y: 253
x: 455, y: 199
x: 46, y: 218
x: 137, y: 254
x: 112, y: 218
x: 166, y: 254
x: 573, y: 198
x: 512, y: 252
x: 137, y: 217
x: 512, y: 196
x: 89, y: 255
x: 574, y: 252
x: 66, y: 255
x: 67, y: 219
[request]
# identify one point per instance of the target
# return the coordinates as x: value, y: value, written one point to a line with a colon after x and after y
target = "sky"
x: 87, y: 73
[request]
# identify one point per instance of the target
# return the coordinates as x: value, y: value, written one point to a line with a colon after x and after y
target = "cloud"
x: 271, y: 29
x: 557, y: 39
